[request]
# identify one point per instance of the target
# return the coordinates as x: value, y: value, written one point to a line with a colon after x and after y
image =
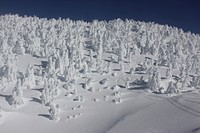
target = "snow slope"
x: 179, y: 114
x: 59, y: 76
x: 140, y: 112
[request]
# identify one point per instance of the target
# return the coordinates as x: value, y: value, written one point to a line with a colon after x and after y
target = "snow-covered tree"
x: 40, y: 71
x: 58, y: 64
x: 153, y: 85
x: 121, y: 66
x: 50, y: 90
x: 127, y: 85
x: 17, y: 95
x: 18, y: 47
x: 154, y: 81
x: 182, y: 74
x: 185, y: 81
x: 51, y: 65
x: 85, y: 67
x: 3, y: 84
x: 87, y: 84
x: 30, y: 77
x: 132, y: 71
x: 54, y: 111
x: 45, y: 97
x: 108, y: 68
x: 171, y: 89
x: 169, y: 73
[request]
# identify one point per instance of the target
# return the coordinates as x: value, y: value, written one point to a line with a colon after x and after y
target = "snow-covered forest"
x: 96, y: 61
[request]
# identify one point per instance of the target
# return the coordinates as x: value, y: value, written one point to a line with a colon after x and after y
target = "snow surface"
x: 140, y: 112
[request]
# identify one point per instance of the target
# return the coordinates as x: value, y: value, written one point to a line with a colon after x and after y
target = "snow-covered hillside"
x: 61, y: 76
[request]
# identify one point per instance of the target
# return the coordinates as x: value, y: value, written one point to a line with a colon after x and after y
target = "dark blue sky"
x: 184, y: 14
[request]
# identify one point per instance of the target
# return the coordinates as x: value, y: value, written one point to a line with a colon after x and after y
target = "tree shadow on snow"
x: 116, y: 70
x: 37, y: 100
x: 127, y: 72
x: 94, y: 71
x: 107, y: 60
x: 37, y: 65
x: 38, y: 89
x: 158, y: 93
x: 37, y: 56
x: 175, y: 77
x: 61, y: 78
x: 44, y: 64
x: 7, y: 98
x: 163, y: 78
x: 82, y: 85
x: 126, y: 62
x: 187, y: 91
x: 143, y: 87
x: 81, y: 71
x: 44, y: 115
x: 121, y: 86
x: 196, y: 130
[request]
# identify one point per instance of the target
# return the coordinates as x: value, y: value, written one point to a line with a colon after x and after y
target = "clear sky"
x: 184, y: 14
